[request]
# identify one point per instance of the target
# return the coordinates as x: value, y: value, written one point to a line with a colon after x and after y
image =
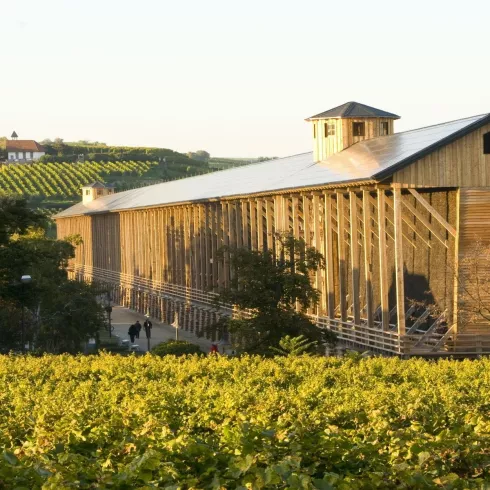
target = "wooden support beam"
x: 307, y: 219
x: 317, y: 242
x: 269, y: 224
x: 456, y: 275
x: 238, y: 224
x: 245, y: 224
x: 425, y: 222
x: 214, y: 243
x: 253, y: 224
x: 202, y: 243
x: 329, y: 283
x: 342, y: 257
x: 383, y: 265
x: 226, y: 243
x: 260, y: 225
x: 354, y: 257
x: 409, y: 223
x: 433, y: 212
x: 368, y: 263
x: 295, y: 213
x: 399, y: 272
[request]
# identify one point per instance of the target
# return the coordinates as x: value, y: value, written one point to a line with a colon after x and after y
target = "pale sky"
x: 235, y: 78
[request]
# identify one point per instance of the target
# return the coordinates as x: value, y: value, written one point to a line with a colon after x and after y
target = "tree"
x: 272, y: 290
x: 59, y: 314
x: 200, y: 155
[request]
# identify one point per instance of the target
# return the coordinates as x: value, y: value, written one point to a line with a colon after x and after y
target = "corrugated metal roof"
x: 354, y: 109
x: 368, y: 160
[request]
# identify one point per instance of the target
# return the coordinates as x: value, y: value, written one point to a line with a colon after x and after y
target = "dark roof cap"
x: 14, y: 135
x: 354, y: 109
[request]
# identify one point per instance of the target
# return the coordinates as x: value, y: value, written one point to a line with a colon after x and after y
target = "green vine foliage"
x: 143, y: 422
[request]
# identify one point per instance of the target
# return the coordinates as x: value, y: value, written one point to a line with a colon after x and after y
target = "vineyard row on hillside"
x: 63, y: 179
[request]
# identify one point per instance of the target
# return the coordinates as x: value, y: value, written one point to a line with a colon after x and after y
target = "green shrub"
x: 175, y: 348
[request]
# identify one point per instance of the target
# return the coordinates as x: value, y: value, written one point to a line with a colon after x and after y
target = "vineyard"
x: 63, y: 179
x: 194, y: 423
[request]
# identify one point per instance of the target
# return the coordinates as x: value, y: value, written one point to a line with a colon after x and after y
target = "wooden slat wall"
x: 366, y: 272
x: 324, y: 146
x: 474, y: 228
x: 459, y: 164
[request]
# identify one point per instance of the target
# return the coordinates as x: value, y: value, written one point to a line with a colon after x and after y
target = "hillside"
x: 58, y: 184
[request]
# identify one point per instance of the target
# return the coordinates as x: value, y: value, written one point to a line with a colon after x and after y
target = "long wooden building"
x: 396, y: 215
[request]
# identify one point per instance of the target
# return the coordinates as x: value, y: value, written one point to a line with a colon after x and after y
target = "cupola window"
x: 314, y: 130
x: 358, y: 128
x: 331, y: 129
x: 486, y: 144
x: 384, y: 128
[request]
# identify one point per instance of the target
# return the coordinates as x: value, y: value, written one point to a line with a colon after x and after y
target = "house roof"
x: 367, y: 161
x: 353, y: 110
x: 24, y: 145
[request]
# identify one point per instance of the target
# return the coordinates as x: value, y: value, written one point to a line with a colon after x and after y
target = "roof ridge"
x: 434, y: 125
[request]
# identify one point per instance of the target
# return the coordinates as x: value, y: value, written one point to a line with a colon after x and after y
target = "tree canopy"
x: 59, y: 314
x: 274, y: 288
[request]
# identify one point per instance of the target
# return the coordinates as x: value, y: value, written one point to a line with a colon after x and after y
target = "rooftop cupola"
x: 340, y: 127
x: 95, y: 190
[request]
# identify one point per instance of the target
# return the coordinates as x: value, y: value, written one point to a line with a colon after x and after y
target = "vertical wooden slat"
x: 295, y: 213
x: 253, y: 224
x: 383, y: 266
x: 245, y: 223
x: 226, y: 243
x: 202, y: 244
x: 342, y: 256
x: 269, y: 224
x: 456, y: 276
x: 214, y: 242
x: 399, y: 273
x: 330, y: 286
x: 207, y: 240
x: 368, y: 271
x: 317, y: 241
x: 354, y: 258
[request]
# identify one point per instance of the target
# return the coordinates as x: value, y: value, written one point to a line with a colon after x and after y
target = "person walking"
x: 148, y: 326
x: 132, y: 332
x: 138, y: 328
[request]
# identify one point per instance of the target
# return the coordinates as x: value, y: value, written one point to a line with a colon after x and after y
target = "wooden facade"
x: 334, y: 134
x: 390, y: 247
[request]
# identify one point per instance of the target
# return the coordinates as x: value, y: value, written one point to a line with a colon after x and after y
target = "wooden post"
x: 253, y: 224
x: 368, y: 273
x: 330, y: 286
x: 383, y: 266
x: 214, y: 242
x: 318, y: 244
x: 244, y: 214
x: 456, y: 279
x: 260, y: 225
x: 342, y: 256
x: 226, y: 243
x: 269, y: 224
x: 399, y: 273
x: 354, y: 257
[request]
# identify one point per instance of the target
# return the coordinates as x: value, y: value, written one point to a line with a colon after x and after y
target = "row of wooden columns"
x: 179, y: 245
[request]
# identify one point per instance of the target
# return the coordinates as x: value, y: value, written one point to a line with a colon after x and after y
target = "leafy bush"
x: 175, y: 348
x: 213, y: 422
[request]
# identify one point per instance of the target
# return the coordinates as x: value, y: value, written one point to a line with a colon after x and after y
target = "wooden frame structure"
x: 389, y: 246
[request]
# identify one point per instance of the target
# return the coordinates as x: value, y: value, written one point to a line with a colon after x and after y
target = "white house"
x: 24, y: 150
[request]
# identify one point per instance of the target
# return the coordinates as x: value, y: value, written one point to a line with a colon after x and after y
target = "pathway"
x: 122, y: 318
